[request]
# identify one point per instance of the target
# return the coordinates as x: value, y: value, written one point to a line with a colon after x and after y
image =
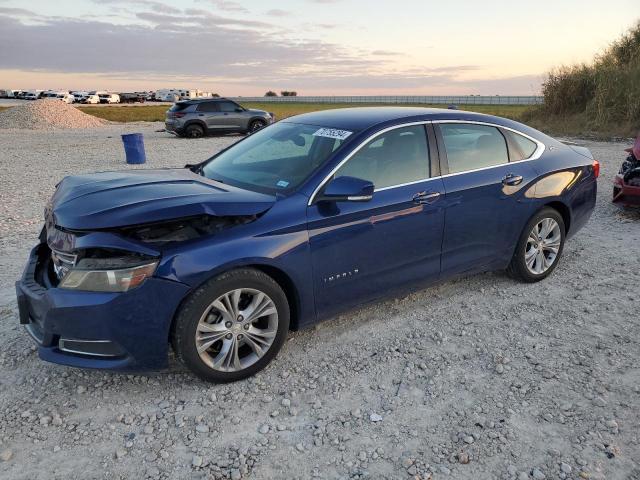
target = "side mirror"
x: 347, y: 189
x: 238, y: 109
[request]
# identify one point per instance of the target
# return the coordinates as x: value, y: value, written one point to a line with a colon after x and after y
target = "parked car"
x: 32, y: 96
x: 109, y: 98
x: 79, y: 96
x: 297, y: 222
x: 131, y: 98
x: 196, y: 118
x: 65, y: 97
x: 91, y: 99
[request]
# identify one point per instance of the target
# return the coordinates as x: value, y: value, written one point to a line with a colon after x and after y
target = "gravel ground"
x: 481, y: 377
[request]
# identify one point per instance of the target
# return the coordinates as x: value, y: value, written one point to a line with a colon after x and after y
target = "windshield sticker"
x: 282, y: 184
x: 332, y: 133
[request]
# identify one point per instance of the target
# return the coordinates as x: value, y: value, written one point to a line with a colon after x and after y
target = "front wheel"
x: 232, y: 326
x: 256, y: 125
x: 539, y: 247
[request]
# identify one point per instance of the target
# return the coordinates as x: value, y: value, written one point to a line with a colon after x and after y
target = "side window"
x: 208, y: 107
x: 393, y: 158
x: 227, y: 106
x: 520, y: 147
x: 472, y: 146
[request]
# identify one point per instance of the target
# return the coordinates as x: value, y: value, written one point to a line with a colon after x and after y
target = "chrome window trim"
x: 357, y: 149
x: 541, y: 147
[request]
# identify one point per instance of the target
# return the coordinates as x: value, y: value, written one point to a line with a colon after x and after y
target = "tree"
x: 271, y: 93
x: 286, y: 93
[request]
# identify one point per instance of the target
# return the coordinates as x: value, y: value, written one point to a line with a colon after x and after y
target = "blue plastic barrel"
x: 134, y: 148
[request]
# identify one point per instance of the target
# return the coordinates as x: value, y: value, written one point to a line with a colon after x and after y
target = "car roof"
x: 363, y: 118
x: 204, y: 99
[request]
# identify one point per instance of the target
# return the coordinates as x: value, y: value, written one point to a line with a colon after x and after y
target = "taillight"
x: 596, y: 168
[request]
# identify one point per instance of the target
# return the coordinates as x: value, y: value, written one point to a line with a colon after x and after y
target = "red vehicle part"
x: 626, y: 184
x: 624, y: 193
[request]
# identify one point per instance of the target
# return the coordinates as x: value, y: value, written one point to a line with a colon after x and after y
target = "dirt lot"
x: 481, y: 377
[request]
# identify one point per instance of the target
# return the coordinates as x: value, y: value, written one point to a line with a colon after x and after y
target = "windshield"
x: 277, y: 158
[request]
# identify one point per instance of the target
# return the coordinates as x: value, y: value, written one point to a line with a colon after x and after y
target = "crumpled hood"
x: 117, y: 199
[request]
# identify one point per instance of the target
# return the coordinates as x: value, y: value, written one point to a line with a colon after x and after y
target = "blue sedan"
x: 299, y: 221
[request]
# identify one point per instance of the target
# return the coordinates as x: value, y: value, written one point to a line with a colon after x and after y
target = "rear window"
x: 178, y: 107
x: 521, y: 147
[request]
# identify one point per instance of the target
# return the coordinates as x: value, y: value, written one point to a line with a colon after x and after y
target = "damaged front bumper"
x: 626, y: 184
x: 625, y: 193
x: 124, y: 331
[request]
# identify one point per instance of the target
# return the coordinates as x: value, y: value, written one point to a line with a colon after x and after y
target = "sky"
x: 315, y: 47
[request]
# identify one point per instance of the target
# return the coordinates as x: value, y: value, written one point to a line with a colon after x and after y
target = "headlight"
x: 83, y: 277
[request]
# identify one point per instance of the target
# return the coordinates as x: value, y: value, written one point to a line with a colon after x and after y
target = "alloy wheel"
x: 236, y: 329
x: 543, y: 246
x: 255, y: 126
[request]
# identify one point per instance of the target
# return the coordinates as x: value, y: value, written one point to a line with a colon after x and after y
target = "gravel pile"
x: 477, y: 378
x: 47, y: 115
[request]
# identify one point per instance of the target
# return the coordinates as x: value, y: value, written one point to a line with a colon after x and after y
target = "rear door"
x: 362, y: 250
x: 486, y: 207
x: 210, y: 113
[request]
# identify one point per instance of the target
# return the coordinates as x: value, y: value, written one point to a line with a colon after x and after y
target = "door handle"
x: 423, y: 198
x: 201, y: 114
x: 512, y: 180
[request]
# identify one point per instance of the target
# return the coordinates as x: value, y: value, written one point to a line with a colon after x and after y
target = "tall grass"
x: 601, y: 96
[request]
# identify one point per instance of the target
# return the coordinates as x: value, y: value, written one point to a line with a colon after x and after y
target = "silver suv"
x: 196, y: 118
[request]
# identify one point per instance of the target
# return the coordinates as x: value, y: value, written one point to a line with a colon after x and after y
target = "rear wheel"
x: 539, y: 247
x: 232, y: 326
x: 194, y: 131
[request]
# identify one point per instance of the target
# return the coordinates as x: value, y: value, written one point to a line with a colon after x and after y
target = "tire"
x: 194, y: 131
x: 522, y: 267
x: 256, y: 125
x: 199, y: 321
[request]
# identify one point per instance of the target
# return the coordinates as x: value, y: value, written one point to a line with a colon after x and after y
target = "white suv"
x: 109, y: 98
x: 93, y: 99
x: 65, y: 97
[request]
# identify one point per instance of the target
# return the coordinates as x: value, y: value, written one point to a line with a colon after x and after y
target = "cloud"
x: 174, y: 44
x: 385, y: 53
x: 197, y: 17
x: 18, y: 12
x: 156, y: 6
x: 278, y: 12
x: 226, y: 5
x: 199, y: 47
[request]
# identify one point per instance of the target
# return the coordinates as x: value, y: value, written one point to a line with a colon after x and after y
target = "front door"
x: 360, y: 251
x: 232, y: 118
